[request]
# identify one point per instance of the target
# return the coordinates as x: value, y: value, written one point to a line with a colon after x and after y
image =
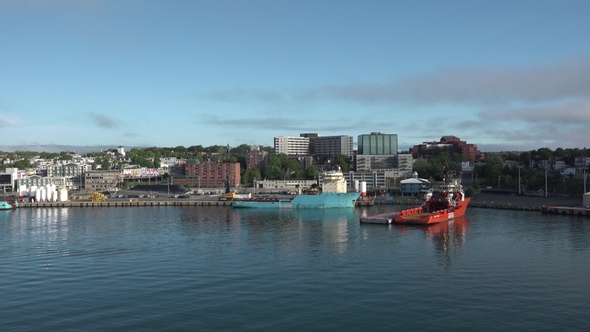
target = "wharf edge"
x: 123, y: 204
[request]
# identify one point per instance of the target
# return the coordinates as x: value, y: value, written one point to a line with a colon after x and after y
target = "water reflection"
x: 448, y: 237
x: 289, y: 231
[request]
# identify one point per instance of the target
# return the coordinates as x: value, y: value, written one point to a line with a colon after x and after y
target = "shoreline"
x: 481, y: 200
x: 507, y: 202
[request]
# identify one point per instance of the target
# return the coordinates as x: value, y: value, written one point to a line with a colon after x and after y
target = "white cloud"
x: 472, y: 85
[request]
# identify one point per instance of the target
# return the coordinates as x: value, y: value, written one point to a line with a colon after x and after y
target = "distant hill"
x: 57, y: 148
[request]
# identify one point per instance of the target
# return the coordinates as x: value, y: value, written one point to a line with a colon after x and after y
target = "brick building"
x: 255, y: 157
x: 208, y: 174
x: 450, y: 144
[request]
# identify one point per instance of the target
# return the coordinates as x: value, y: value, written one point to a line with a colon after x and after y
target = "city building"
x: 291, y: 145
x: 102, y: 180
x: 378, y: 179
x: 377, y: 143
x: 378, y: 162
x: 324, y: 148
x: 208, y: 174
x: 8, y: 179
x: 401, y: 161
x: 450, y: 144
x: 414, y: 186
x: 32, y: 181
x: 255, y: 157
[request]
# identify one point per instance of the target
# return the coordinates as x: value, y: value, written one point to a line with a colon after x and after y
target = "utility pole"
x: 518, y: 180
x: 585, y: 179
x: 545, y: 181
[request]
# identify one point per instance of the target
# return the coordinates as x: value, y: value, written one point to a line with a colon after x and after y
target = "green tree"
x: 106, y: 162
x: 65, y: 156
x: 274, y: 166
x: 23, y: 164
x: 342, y: 161
x: 311, y: 173
x: 250, y: 175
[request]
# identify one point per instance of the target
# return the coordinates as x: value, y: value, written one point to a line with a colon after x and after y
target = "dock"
x: 565, y: 210
x: 122, y: 203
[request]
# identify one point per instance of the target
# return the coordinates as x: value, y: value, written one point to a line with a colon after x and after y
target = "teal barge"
x: 320, y: 201
x: 332, y: 194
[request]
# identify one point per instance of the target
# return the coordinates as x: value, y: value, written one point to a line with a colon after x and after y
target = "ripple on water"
x: 220, y: 269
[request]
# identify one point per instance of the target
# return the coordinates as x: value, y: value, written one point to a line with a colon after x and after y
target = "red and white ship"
x: 446, y: 201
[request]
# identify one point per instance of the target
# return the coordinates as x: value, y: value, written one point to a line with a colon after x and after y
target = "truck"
x: 230, y: 196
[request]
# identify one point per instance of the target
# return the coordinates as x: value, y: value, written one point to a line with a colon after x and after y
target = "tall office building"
x: 377, y: 144
x: 330, y: 146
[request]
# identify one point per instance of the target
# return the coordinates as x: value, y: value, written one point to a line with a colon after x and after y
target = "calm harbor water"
x: 214, y: 268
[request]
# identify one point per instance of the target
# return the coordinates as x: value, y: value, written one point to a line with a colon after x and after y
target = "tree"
x: 342, y: 161
x: 250, y: 175
x: 292, y: 170
x: 311, y: 173
x: 543, y: 154
x: 65, y: 156
x: 106, y: 162
x: 23, y: 164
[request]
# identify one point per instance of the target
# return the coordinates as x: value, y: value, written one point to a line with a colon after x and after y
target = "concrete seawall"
x: 124, y: 204
x: 489, y: 201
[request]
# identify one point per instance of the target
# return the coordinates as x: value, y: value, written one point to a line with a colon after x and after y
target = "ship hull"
x: 8, y: 205
x: 418, y: 216
x: 321, y: 201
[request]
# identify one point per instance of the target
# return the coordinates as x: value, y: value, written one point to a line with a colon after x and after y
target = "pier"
x: 121, y: 203
x: 565, y: 210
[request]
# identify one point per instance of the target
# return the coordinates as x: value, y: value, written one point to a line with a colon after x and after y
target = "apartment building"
x: 292, y: 145
x: 208, y: 174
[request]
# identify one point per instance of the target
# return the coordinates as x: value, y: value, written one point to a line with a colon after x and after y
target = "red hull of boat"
x: 417, y: 216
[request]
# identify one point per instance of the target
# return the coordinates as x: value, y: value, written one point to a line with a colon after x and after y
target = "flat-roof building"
x: 291, y: 145
x: 377, y: 143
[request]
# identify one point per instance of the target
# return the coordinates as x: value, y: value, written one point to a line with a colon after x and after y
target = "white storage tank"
x: 363, y: 188
x: 48, y: 193
x: 22, y: 190
x: 63, y: 195
x: 356, y: 185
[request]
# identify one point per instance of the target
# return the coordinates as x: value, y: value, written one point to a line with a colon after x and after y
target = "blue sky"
x: 505, y: 75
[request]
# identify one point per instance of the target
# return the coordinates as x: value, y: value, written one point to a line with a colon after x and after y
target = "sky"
x: 505, y: 75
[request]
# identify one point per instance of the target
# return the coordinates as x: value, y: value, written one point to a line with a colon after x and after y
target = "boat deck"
x: 416, y: 217
x: 383, y: 218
